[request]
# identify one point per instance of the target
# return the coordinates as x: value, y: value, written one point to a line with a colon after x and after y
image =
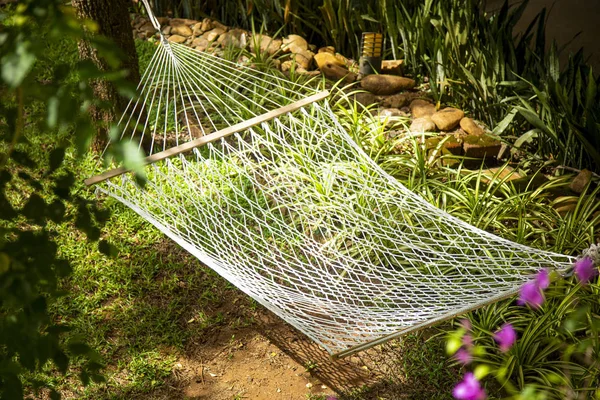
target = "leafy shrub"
x: 44, y: 91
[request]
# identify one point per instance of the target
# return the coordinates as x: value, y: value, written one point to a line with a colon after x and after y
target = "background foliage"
x: 512, y: 82
x: 44, y: 93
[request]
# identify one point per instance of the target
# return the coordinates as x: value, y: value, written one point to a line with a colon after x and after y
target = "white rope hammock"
x: 281, y: 202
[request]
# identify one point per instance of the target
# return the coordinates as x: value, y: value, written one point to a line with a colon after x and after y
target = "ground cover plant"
x: 137, y: 319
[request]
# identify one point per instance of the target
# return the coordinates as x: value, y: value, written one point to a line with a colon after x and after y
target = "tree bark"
x: 112, y: 17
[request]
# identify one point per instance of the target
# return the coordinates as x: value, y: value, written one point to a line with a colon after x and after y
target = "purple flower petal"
x: 505, y: 337
x: 585, y: 270
x: 542, y: 279
x: 467, y: 340
x: 465, y: 323
x: 463, y: 356
x: 531, y: 294
x: 469, y: 389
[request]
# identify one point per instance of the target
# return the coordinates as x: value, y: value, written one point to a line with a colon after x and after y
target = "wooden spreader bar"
x: 212, y: 137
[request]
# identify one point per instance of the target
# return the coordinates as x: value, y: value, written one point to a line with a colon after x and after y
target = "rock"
x: 197, y: 29
x: 304, y: 59
x: 324, y: 58
x: 166, y: 30
x: 177, y: 39
x: 162, y: 20
x: 448, y: 118
x: 391, y: 112
x: 423, y: 124
x: 386, y: 84
x: 286, y: 65
x: 343, y: 60
x: 200, y: 43
x: 181, y: 30
x: 265, y: 43
x: 396, y: 100
x: 365, y: 98
x: 295, y: 44
x: 235, y: 37
x: 469, y: 126
x: 207, y: 25
x: 580, y: 182
x: 327, y: 49
x: 147, y: 28
x: 213, y: 34
x: 335, y: 73
x: 451, y: 145
x: 217, y: 24
x: 181, y: 21
x: 481, y: 146
x: 392, y: 67
x: 421, y: 108
x: 311, y: 74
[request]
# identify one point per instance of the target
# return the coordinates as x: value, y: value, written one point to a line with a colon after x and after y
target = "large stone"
x: 166, y: 30
x: 147, y: 28
x: 213, y: 34
x: 197, y: 29
x: 200, y: 43
x: 392, y: 67
x: 181, y: 21
x: 420, y: 108
x: 266, y: 44
x: 336, y: 72
x: 386, y: 84
x: 177, y: 39
x: 391, y: 112
x: 448, y: 118
x: 366, y: 98
x: 327, y: 49
x: 450, y: 145
x: 580, y: 182
x: 481, y: 146
x: 396, y: 100
x: 304, y: 59
x: 207, y: 25
x: 219, y: 25
x: 325, y: 58
x: 424, y: 124
x: 235, y: 37
x: 181, y: 30
x: 470, y: 126
x: 294, y: 44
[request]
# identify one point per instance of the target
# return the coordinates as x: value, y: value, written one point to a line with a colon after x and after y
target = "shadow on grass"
x: 154, y: 304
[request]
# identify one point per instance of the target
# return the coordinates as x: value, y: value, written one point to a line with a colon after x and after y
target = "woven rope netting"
x: 296, y: 215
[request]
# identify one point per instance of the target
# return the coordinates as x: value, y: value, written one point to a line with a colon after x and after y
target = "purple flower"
x: 467, y: 340
x: 585, y: 270
x: 463, y: 356
x: 505, y: 337
x: 469, y: 389
x: 542, y: 279
x: 465, y: 323
x: 531, y: 294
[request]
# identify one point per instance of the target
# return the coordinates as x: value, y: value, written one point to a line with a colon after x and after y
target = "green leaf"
x: 16, y: 65
x: 527, y: 137
x: 506, y: 121
x: 133, y: 159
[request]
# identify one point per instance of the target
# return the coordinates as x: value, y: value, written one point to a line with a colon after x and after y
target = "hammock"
x: 253, y: 174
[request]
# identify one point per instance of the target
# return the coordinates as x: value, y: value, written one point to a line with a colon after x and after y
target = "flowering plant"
x: 545, y: 345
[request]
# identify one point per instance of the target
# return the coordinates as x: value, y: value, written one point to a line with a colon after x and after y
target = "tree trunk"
x: 112, y: 17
